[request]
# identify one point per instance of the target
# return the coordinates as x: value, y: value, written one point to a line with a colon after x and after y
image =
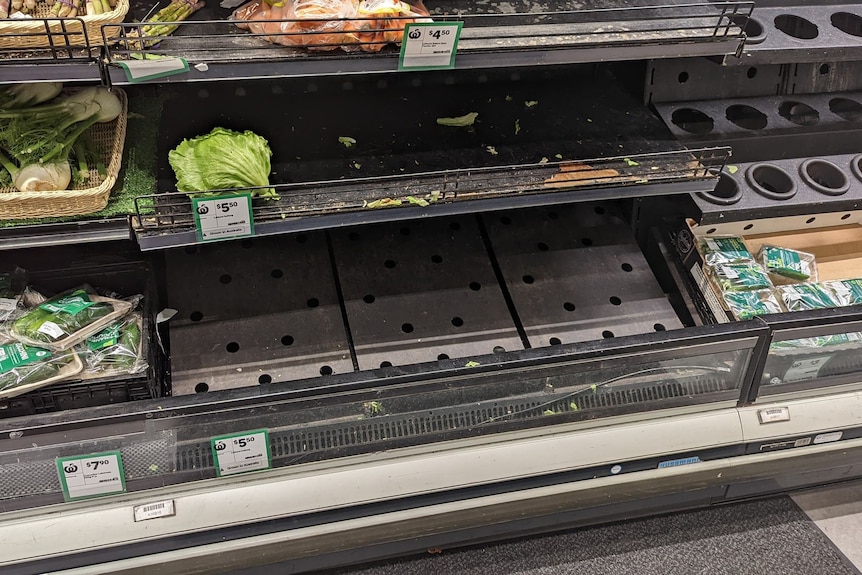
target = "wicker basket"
x: 60, y: 33
x: 91, y: 195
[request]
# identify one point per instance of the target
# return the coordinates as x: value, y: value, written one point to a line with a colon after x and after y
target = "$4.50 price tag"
x: 93, y: 475
x: 241, y: 452
x: 224, y: 217
x: 430, y: 45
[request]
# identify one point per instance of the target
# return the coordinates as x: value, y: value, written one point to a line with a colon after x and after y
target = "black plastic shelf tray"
x: 505, y: 34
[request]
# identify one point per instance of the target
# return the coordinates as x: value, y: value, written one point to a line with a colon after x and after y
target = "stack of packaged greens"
x: 77, y: 334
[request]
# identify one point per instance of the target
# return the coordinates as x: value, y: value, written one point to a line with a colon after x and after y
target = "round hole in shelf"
x: 301, y: 238
x: 505, y: 220
x: 475, y: 286
x: 247, y: 244
x: 810, y: 220
x: 607, y: 334
x: 848, y: 23
x: 203, y: 94
x: 202, y: 387
x: 437, y: 259
x: 569, y: 306
x: 845, y: 217
x: 482, y: 79
x: 824, y: 176
x: 796, y: 26
x: 385, y: 364
x: 553, y: 215
x: 543, y: 247
x: 850, y: 110
x: 353, y: 236
x: 799, y: 113
x: 659, y: 327
x: 276, y: 274
x: 615, y: 300
x: 555, y: 341
x: 196, y: 316
x: 240, y: 92
x: 725, y: 193
x: 347, y: 86
x: 407, y: 327
x: 232, y: 347
x: 457, y: 321
x: 748, y: 227
x: 382, y: 84
x: 751, y: 73
x: 265, y: 378
x: 225, y: 279
x: 389, y: 264
x: 746, y: 117
x: 587, y: 241
x: 311, y: 88
x: 754, y: 30
x: 368, y: 298
x: 692, y: 121
x: 277, y: 90
x: 312, y: 302
x: 404, y: 231
x: 856, y: 167
x: 325, y: 370
x: 770, y: 181
x: 824, y: 69
x: 627, y: 267
x: 287, y: 340
x: 454, y: 226
x: 682, y: 78
x: 711, y: 231
x: 191, y: 250
x: 499, y: 349
x: 442, y: 357
x: 528, y: 279
x: 599, y: 210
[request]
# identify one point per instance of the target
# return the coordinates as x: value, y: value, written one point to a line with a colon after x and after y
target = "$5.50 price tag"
x: 241, y: 452
x: 93, y: 475
x: 224, y: 217
x: 430, y: 45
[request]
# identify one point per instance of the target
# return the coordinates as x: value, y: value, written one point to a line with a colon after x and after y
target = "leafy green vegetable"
x: 346, y: 141
x: 460, y: 121
x: 531, y: 103
x: 221, y: 160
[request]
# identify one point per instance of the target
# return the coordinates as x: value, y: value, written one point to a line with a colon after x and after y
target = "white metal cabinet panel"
x: 807, y: 415
x: 315, y: 487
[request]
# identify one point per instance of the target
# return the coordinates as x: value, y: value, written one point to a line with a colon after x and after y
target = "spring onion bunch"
x: 36, y: 141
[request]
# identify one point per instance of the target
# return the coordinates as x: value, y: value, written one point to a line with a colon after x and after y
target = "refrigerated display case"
x: 442, y: 333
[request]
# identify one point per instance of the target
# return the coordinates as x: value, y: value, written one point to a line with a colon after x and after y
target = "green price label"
x: 223, y: 217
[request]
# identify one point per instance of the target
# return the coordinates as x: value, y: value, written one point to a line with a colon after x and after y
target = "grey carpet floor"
x: 763, y: 537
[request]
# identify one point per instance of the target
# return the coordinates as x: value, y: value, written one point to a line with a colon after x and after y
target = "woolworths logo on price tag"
x: 224, y: 217
x: 241, y: 452
x: 430, y: 45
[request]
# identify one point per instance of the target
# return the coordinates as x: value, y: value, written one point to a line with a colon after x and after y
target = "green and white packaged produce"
x: 24, y: 368
x: 117, y: 349
x: 739, y: 277
x: 800, y: 297
x: 67, y: 319
x: 846, y: 292
x: 748, y: 304
x: 787, y: 266
x: 852, y: 339
x: 724, y: 250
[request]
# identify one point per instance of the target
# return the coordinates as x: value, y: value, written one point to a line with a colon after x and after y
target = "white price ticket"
x: 224, y: 217
x: 91, y: 475
x: 241, y: 452
x: 429, y: 45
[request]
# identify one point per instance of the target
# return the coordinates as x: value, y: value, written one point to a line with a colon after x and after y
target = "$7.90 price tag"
x: 93, y: 475
x: 241, y: 452
x: 429, y: 45
x: 223, y: 217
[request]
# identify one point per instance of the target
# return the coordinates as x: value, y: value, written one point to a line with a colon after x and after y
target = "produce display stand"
x: 440, y: 332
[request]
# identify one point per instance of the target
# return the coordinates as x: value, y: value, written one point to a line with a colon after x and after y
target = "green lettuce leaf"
x: 223, y: 159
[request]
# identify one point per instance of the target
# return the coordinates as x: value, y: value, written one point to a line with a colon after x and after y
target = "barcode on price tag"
x: 154, y: 510
x: 430, y: 45
x: 241, y: 452
x: 93, y: 475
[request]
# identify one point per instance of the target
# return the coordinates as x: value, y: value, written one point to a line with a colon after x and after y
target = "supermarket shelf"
x: 84, y: 231
x: 802, y: 32
x: 166, y: 220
